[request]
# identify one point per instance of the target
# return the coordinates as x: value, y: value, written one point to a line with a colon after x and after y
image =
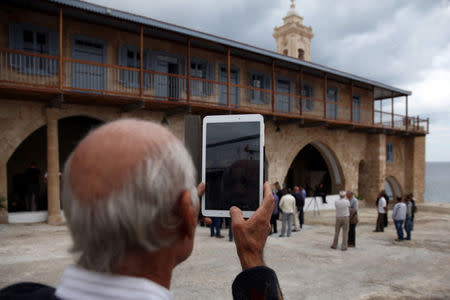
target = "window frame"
x: 262, y: 99
x: 27, y: 64
x: 206, y: 88
x: 307, y: 104
x: 389, y: 152
x: 125, y: 79
x: 356, y: 112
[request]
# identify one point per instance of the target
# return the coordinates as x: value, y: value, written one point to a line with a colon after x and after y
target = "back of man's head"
x: 121, y: 184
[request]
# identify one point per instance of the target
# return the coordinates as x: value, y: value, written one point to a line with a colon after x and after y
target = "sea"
x: 437, y: 182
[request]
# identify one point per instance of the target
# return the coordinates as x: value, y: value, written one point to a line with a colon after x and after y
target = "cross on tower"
x: 292, y: 3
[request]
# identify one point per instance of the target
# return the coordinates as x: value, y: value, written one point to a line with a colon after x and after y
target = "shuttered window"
x: 33, y: 39
x: 307, y: 97
x: 356, y: 108
x: 203, y: 70
x: 130, y: 56
x: 258, y: 81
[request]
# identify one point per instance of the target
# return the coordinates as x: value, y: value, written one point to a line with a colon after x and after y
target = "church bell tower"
x: 293, y: 38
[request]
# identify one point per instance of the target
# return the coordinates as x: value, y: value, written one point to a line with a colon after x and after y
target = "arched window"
x: 301, y: 54
x: 285, y: 52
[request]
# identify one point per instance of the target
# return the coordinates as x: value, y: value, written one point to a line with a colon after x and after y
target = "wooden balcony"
x: 38, y: 77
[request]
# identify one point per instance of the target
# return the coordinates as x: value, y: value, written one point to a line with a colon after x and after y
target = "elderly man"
x: 287, y: 206
x: 131, y: 206
x: 342, y: 213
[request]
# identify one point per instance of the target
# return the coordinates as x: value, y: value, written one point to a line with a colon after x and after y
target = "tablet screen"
x: 232, y: 165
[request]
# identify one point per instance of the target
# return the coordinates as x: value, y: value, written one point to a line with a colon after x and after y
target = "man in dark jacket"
x: 131, y: 205
x: 300, y: 203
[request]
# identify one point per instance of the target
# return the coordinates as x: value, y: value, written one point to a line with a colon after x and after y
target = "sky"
x: 404, y: 43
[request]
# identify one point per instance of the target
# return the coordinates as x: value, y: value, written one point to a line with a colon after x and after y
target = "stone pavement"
x: 378, y: 268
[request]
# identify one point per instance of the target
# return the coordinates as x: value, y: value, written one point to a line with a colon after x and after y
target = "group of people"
x: 290, y: 204
x: 346, y: 219
x: 402, y: 214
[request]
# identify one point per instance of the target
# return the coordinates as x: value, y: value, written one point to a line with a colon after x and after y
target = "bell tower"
x: 293, y: 38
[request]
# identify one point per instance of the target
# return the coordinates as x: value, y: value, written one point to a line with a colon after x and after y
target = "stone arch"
x: 335, y: 171
x: 34, y: 149
x: 394, y: 186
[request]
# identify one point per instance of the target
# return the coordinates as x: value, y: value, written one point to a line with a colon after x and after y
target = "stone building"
x: 67, y: 66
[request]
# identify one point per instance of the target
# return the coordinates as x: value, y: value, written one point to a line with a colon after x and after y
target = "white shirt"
x: 399, y: 212
x: 342, y: 206
x: 381, y: 204
x: 78, y: 283
x: 287, y: 204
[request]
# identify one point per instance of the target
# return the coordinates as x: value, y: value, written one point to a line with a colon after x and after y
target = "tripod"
x: 316, y: 205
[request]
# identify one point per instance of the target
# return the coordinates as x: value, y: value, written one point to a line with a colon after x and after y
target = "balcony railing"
x: 31, y: 70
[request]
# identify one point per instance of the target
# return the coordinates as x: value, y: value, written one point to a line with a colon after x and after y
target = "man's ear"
x: 188, y: 215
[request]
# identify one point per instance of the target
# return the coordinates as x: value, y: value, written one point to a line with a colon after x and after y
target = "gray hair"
x: 139, y: 215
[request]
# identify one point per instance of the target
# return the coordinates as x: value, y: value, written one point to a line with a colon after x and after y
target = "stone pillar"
x: 373, y: 179
x: 415, y: 173
x: 54, y: 208
x: 3, y: 193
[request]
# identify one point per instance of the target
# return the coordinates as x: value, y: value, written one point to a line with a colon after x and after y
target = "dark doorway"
x: 309, y: 169
x: 34, y: 150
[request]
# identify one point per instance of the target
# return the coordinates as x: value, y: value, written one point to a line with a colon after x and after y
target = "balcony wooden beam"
x: 392, y: 110
x: 273, y: 86
x: 301, y: 91
x: 351, y: 101
x: 141, y: 54
x: 407, y: 119
x: 188, y: 83
x: 325, y: 96
x: 228, y: 77
x: 61, y: 70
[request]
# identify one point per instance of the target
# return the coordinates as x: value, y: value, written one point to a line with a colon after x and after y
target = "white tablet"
x: 232, y: 164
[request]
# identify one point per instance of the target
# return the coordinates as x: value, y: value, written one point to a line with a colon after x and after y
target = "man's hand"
x: 250, y: 235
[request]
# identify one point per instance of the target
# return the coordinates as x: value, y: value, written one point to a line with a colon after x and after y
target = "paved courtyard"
x: 378, y: 268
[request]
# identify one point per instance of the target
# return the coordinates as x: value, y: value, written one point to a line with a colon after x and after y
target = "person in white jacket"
x: 287, y: 206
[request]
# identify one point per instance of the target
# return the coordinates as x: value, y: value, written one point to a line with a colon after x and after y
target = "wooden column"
x: 407, y: 119
x: 141, y: 54
x: 392, y: 110
x: 53, y: 180
x: 351, y: 101
x: 325, y: 96
x: 61, y: 70
x: 228, y: 77
x: 3, y: 193
x: 373, y: 106
x: 188, y: 71
x: 301, y: 91
x: 273, y: 86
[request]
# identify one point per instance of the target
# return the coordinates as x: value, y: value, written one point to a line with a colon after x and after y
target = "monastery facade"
x: 68, y: 66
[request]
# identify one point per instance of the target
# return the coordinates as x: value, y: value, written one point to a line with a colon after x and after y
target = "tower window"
x: 301, y: 54
x: 285, y: 52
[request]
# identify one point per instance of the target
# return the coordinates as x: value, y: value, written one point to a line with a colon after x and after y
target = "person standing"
x: 216, y: 223
x: 299, y: 202
x: 322, y: 192
x: 275, y: 213
x: 342, y: 214
x: 295, y: 220
x: 409, y: 216
x: 414, y: 209
x: 386, y: 197
x: 381, y: 208
x: 287, y: 206
x: 32, y: 176
x: 353, y: 219
x: 399, y: 216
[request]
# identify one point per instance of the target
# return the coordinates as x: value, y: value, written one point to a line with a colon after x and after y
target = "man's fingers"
x: 268, y: 202
x: 201, y: 189
x: 236, y: 215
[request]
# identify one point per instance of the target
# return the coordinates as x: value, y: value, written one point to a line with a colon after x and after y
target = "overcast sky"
x: 404, y: 43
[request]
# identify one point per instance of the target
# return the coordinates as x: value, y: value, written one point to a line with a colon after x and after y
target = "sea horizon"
x: 437, y: 181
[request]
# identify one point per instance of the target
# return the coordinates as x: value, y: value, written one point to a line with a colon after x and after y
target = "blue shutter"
x: 15, y: 43
x: 53, y: 49
x: 210, y: 75
x: 251, y: 93
x: 267, y: 86
x: 146, y: 66
x: 238, y: 91
x: 122, y: 57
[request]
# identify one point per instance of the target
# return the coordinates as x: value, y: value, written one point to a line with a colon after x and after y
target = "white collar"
x: 78, y: 283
